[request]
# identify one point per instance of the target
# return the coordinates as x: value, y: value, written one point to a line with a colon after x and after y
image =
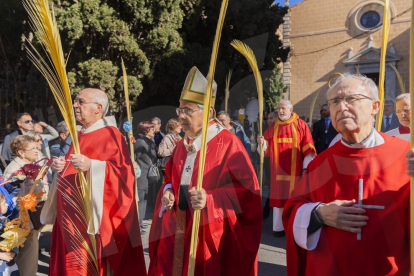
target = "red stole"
x: 404, y: 130
x: 289, y: 142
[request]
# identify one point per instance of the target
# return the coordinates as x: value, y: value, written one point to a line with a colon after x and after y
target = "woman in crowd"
x: 146, y: 157
x: 26, y: 150
x: 39, y: 142
x: 173, y: 130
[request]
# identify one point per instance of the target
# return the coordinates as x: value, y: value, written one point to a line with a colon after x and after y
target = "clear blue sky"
x: 291, y: 2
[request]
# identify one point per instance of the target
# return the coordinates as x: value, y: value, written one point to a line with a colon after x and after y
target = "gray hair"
x: 223, y: 113
x: 32, y: 134
x: 201, y: 110
x: 287, y: 102
x: 156, y: 119
x: 403, y: 97
x: 370, y: 86
x: 102, y: 99
x: 62, y: 127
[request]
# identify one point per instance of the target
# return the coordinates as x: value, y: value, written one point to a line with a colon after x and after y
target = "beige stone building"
x: 328, y: 36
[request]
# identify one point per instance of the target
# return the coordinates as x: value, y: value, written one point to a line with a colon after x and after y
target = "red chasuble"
x: 231, y: 222
x: 334, y: 174
x: 289, y: 142
x: 118, y: 242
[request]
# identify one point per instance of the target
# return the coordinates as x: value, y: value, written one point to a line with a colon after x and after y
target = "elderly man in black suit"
x: 323, y: 131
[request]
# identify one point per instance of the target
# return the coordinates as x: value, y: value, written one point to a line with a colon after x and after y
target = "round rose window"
x: 370, y: 19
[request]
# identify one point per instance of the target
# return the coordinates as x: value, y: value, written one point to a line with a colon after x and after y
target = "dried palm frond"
x: 206, y: 119
x: 245, y: 50
x: 412, y: 136
x: 358, y: 72
x: 390, y: 88
x: 128, y: 108
x: 399, y: 78
x: 53, y: 68
x: 312, y: 107
x: 129, y: 116
x: 227, y: 90
x: 385, y: 32
x: 334, y: 75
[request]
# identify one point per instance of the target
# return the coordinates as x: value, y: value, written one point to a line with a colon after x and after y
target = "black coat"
x: 145, y: 155
x: 321, y: 137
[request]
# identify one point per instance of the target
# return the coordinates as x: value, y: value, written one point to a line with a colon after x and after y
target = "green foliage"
x: 158, y: 40
x: 245, y: 19
x: 277, y: 88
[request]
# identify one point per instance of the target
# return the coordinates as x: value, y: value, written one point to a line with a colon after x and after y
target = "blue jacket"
x: 242, y: 136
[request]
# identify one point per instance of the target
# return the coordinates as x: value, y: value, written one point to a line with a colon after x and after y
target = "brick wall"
x: 317, y: 24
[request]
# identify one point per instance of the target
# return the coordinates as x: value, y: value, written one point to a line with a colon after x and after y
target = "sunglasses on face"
x: 28, y: 122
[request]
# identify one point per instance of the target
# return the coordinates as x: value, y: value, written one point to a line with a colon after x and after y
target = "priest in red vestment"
x: 114, y: 226
x: 403, y: 108
x: 289, y: 144
x: 349, y: 215
x: 230, y: 202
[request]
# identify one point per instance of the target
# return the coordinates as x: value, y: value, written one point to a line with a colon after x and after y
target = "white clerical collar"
x: 195, y: 146
x: 373, y: 140
x: 104, y: 122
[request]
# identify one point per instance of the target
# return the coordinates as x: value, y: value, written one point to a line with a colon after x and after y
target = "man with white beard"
x: 290, y: 152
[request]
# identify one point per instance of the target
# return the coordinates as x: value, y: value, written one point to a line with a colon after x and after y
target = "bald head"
x: 100, y: 97
x: 90, y: 106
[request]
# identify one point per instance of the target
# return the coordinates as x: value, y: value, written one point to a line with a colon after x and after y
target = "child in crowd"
x: 6, y: 258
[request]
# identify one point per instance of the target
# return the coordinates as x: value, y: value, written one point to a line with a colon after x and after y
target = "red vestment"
x: 231, y: 222
x: 118, y: 242
x: 289, y: 142
x: 334, y: 175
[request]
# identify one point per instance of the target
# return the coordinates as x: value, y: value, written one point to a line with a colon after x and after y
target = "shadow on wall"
x: 401, y: 46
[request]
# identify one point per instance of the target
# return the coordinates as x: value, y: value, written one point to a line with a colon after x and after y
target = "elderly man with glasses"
x: 25, y: 123
x: 349, y: 215
x: 106, y: 162
x: 403, y: 108
x: 229, y: 201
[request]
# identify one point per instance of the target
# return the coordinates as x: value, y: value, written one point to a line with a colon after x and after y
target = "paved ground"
x: 272, y: 254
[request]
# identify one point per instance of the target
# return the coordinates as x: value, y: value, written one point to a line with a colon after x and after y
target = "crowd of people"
x: 338, y: 191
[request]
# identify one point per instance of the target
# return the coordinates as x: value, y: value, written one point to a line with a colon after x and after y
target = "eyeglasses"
x: 185, y: 111
x: 82, y: 101
x: 28, y: 122
x: 350, y: 99
x: 405, y: 111
x: 39, y: 140
x: 33, y: 149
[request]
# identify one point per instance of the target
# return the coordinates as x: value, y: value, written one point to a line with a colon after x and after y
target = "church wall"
x: 317, y: 24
